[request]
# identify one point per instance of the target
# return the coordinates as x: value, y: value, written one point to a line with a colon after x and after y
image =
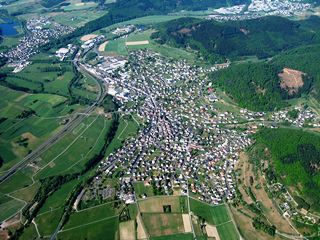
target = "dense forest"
x: 262, y: 37
x: 256, y: 85
x: 296, y: 158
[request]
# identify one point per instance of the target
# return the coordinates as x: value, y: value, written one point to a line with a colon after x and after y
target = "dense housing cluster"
x: 40, y: 31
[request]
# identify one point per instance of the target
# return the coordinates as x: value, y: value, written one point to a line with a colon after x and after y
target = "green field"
x: 92, y: 214
x: 78, y: 5
x: 29, y: 233
x: 71, y: 153
x: 127, y: 128
x: 140, y: 189
x: 212, y: 214
x: 9, y: 208
x: 227, y: 231
x: 58, y: 199
x: 45, y: 75
x: 20, y: 134
x: 116, y: 47
x: 48, y: 222
x: 93, y: 231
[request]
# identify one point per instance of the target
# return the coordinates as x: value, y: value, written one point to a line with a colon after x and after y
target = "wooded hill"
x: 295, y: 155
x: 216, y: 41
x: 256, y: 85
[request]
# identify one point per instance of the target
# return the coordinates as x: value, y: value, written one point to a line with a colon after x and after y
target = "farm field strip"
x: 90, y: 223
x: 67, y: 146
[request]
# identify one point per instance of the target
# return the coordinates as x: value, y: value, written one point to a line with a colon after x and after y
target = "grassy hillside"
x: 263, y: 37
x: 296, y: 160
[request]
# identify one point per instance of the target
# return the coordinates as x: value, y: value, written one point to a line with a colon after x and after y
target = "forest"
x: 123, y: 10
x: 259, y: 83
x: 217, y: 41
x: 295, y: 155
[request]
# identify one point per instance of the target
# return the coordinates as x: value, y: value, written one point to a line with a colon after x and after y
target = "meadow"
x: 214, y: 215
x: 27, y: 120
x: 93, y: 231
x: 158, y: 224
x: 118, y: 46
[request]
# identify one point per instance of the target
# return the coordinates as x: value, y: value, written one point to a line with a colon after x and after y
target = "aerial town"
x: 186, y: 142
x: 40, y: 31
x: 260, y: 8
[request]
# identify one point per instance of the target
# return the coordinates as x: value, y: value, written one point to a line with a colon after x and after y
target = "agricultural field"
x: 142, y: 40
x: 27, y: 120
x: 213, y: 215
x: 93, y: 223
x: 74, y: 150
x: 95, y: 230
x: 93, y: 214
x: 116, y: 47
x: 75, y: 5
x: 76, y: 18
x: 44, y: 75
x: 128, y: 127
x: 158, y: 224
x: 173, y: 225
x: 155, y: 204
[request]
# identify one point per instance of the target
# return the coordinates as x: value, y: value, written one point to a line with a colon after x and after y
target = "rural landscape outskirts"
x: 160, y: 119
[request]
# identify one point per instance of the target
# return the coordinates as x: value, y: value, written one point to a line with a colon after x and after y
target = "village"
x: 41, y: 30
x: 260, y: 8
x: 186, y: 144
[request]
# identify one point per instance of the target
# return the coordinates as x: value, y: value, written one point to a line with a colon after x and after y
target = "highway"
x: 76, y: 119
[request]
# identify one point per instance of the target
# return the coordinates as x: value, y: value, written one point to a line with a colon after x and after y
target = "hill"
x: 263, y: 37
x: 296, y: 161
x: 261, y: 85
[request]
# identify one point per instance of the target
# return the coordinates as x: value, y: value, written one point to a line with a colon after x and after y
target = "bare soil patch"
x: 137, y: 43
x: 88, y: 37
x: 184, y: 30
x: 212, y: 231
x: 291, y: 80
x: 141, y: 233
x: 127, y: 231
x: 102, y: 47
x: 31, y: 138
x: 186, y: 223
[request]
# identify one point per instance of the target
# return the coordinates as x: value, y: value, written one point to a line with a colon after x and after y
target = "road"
x: 70, y: 126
